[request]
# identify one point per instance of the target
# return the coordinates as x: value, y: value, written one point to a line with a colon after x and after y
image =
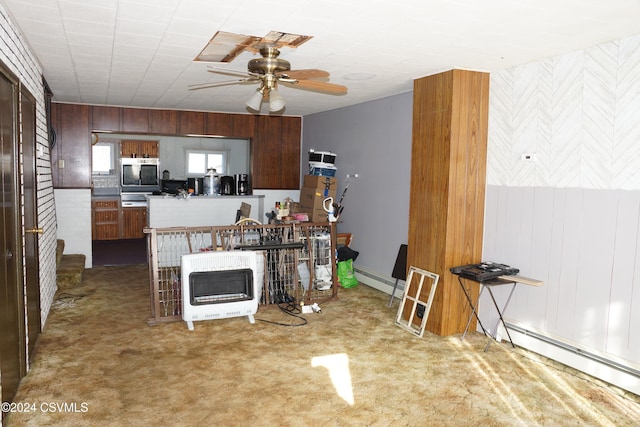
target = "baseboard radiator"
x: 597, y: 365
x: 377, y: 281
x: 619, y: 374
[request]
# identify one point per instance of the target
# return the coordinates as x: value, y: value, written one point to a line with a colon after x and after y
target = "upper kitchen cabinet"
x: 244, y: 126
x: 275, y: 152
x: 275, y: 140
x: 137, y: 148
x: 191, y: 123
x: 71, y: 156
x: 291, y: 130
x: 105, y: 118
x: 163, y: 122
x: 217, y: 124
x: 135, y: 120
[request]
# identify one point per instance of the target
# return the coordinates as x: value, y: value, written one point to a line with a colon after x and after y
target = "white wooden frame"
x: 414, y: 302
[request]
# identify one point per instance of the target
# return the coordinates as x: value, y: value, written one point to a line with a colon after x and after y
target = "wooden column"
x: 448, y: 168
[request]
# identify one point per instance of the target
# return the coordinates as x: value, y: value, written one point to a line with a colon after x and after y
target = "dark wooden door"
x: 32, y: 232
x: 12, y: 351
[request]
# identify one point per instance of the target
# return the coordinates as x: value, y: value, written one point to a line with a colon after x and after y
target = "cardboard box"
x: 312, y: 198
x: 318, y: 215
x: 314, y: 181
x: 315, y: 189
x: 295, y: 207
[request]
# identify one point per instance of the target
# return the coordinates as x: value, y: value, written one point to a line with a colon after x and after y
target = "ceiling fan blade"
x: 318, y: 86
x: 224, y: 71
x: 304, y: 74
x: 224, y: 83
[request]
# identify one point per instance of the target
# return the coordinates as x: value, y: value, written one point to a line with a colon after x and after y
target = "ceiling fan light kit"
x: 268, y: 70
x: 255, y: 100
x: 276, y: 101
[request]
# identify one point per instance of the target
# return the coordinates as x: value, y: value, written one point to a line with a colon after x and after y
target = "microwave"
x: 140, y: 174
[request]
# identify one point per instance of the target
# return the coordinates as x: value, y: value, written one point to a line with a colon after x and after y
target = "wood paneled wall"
x: 585, y: 245
x: 446, y: 214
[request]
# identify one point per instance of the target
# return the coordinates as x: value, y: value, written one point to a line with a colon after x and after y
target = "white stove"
x: 134, y: 199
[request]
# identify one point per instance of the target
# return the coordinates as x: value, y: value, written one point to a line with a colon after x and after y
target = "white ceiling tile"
x: 137, y: 41
x: 132, y: 52
x: 85, y: 11
x: 141, y: 12
x: 36, y: 28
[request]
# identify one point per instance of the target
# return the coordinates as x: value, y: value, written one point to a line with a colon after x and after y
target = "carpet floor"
x: 98, y: 363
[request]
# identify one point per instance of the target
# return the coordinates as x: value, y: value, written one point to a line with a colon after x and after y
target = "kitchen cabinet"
x: 244, y: 125
x: 190, y: 123
x: 70, y: 157
x: 275, y: 140
x: 290, y: 152
x: 134, y: 220
x: 105, y: 219
x: 217, y: 124
x: 163, y: 122
x: 110, y: 221
x: 135, y: 120
x: 276, y: 143
x: 137, y: 148
x: 105, y: 118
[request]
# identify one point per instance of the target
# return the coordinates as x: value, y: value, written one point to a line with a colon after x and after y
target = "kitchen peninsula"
x: 197, y: 211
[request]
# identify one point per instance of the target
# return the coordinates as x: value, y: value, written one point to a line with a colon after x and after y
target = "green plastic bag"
x: 345, y: 274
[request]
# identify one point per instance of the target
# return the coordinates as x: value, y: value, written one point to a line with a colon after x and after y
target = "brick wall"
x: 17, y: 56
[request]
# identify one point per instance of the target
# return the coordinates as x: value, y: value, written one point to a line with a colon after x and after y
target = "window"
x: 198, y: 161
x: 103, y: 159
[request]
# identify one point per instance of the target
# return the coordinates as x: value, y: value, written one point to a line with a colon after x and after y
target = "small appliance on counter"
x: 195, y: 186
x: 173, y: 186
x: 227, y: 186
x: 211, y: 183
x: 242, y: 184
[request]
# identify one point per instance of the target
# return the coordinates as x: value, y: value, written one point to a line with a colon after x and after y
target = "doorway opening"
x: 120, y: 252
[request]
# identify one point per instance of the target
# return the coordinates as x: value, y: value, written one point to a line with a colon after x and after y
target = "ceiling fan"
x: 268, y: 70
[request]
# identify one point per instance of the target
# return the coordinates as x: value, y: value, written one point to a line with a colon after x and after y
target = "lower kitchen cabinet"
x: 134, y: 220
x: 105, y: 219
x: 110, y: 221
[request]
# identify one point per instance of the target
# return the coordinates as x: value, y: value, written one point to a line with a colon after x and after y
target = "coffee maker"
x: 227, y: 185
x: 242, y: 184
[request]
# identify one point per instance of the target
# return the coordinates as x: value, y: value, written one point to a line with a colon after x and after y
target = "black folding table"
x: 489, y: 284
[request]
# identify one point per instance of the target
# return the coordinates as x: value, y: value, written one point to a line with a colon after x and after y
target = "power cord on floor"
x: 290, y: 308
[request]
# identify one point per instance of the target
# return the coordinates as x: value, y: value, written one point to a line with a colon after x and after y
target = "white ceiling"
x: 140, y: 52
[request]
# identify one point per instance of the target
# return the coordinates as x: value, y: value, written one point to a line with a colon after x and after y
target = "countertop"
x: 173, y: 196
x: 105, y: 197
